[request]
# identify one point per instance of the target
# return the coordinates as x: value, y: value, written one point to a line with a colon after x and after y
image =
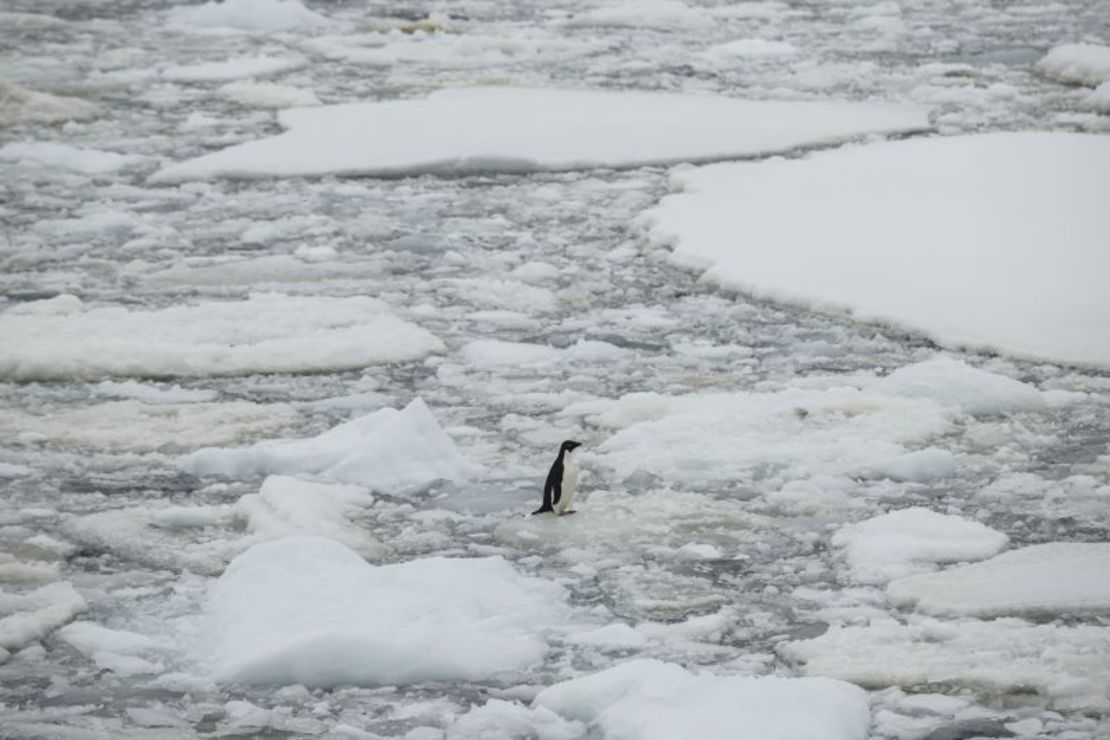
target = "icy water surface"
x: 716, y: 569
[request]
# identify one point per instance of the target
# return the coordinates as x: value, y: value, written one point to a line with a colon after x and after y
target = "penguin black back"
x: 553, y: 486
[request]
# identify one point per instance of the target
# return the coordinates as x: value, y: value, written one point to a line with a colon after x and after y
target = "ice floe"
x: 653, y: 700
x: 1053, y: 579
x: 310, y: 611
x: 247, y: 15
x: 1068, y: 666
x: 25, y: 618
x: 118, y: 651
x: 912, y: 540
x: 968, y: 229
x: 525, y: 129
x: 265, y: 333
x: 267, y: 95
x: 387, y: 450
x: 134, y: 426
x: 21, y: 105
x: 1079, y: 64
x: 65, y: 157
x: 658, y: 14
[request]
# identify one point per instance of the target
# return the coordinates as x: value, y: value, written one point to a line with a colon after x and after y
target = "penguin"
x: 562, y: 480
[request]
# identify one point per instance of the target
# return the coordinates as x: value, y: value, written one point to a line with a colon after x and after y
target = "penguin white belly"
x: 569, y: 484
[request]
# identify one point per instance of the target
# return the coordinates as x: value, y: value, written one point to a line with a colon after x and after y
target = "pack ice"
x: 951, y: 236
x: 526, y: 129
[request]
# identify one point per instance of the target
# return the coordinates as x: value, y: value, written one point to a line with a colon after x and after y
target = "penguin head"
x: 569, y: 446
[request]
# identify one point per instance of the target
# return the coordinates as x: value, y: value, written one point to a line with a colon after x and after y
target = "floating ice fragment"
x: 528, y: 129
x: 247, y: 15
x: 25, y: 618
x: 1080, y: 64
x: 310, y: 611
x: 65, y: 157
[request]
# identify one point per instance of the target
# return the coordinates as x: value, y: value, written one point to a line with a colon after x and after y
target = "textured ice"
x: 1081, y: 64
x: 119, y: 651
x: 1056, y: 578
x: 66, y: 157
x: 1068, y: 666
x: 247, y: 15
x: 232, y: 69
x: 919, y: 466
x: 267, y: 95
x: 27, y: 617
x: 911, y: 540
x: 660, y: 14
x: 525, y: 129
x: 387, y: 450
x: 266, y: 333
x: 945, y: 235
x: 310, y: 611
x: 653, y: 700
x: 134, y: 426
x: 955, y: 383
x: 19, y: 104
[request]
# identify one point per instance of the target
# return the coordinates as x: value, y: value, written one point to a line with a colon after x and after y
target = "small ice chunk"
x: 32, y: 616
x: 232, y: 69
x: 1079, y: 64
x: 247, y: 15
x: 919, y: 466
x: 65, y: 157
x: 953, y: 382
x: 20, y: 105
x: 387, y: 450
x: 911, y: 540
x: 267, y: 95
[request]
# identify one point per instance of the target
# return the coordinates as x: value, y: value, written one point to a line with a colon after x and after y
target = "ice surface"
x: 1080, y: 64
x: 310, y: 611
x: 247, y: 15
x: 953, y: 382
x: 267, y: 95
x: 134, y: 426
x: 749, y: 48
x: 525, y: 129
x: 910, y: 540
x: 1056, y: 578
x: 232, y: 69
x: 653, y: 700
x: 21, y: 105
x: 115, y: 650
x: 919, y: 466
x: 1068, y: 666
x: 25, y: 618
x: 65, y: 157
x: 265, y: 333
x: 968, y: 229
x: 659, y: 14
x: 387, y: 450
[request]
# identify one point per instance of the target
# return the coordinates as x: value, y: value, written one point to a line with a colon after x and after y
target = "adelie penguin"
x: 562, y: 480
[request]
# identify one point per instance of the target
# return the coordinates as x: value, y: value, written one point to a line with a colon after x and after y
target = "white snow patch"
x: 481, y: 129
x: 133, y: 426
x: 248, y: 15
x: 265, y: 333
x: 267, y: 95
x: 652, y: 700
x: 387, y: 450
x: 498, y: 719
x: 748, y: 48
x: 310, y: 611
x: 944, y: 235
x: 115, y: 650
x: 1079, y: 64
x: 1070, y: 666
x: 1057, y: 578
x: 232, y: 69
x: 65, y: 157
x: 953, y: 382
x: 911, y: 540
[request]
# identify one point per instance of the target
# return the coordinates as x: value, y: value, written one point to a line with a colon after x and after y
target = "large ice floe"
x: 526, y: 129
x: 950, y: 236
x: 1055, y: 578
x: 61, y: 338
x: 388, y: 450
x: 652, y: 700
x: 311, y: 611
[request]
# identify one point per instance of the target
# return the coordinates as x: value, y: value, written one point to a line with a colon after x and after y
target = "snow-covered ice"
x: 391, y: 450
x: 911, y: 540
x: 951, y: 236
x: 310, y: 611
x: 1079, y: 64
x: 653, y: 700
x: 261, y: 16
x: 25, y: 618
x: 265, y: 333
x: 511, y: 129
x: 267, y: 95
x: 19, y: 104
x: 232, y: 69
x: 65, y: 157
x: 1053, y: 579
